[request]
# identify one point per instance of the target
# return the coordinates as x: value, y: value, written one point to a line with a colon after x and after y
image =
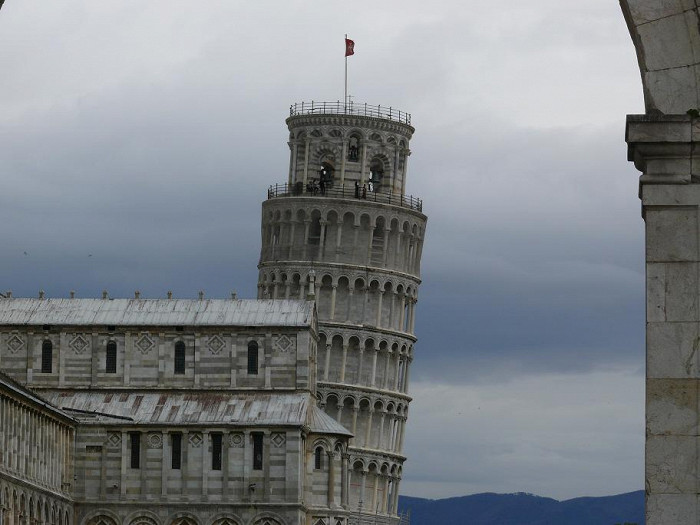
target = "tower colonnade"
x: 343, y: 231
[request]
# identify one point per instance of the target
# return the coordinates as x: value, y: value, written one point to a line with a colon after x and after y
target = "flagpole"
x: 345, y: 98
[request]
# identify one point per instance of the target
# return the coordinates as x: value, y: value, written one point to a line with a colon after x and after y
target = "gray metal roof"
x: 149, y: 312
x: 197, y: 407
x: 184, y: 408
x: 321, y: 423
x: 10, y: 385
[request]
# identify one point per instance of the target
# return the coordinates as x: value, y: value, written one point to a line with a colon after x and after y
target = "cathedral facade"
x: 289, y: 409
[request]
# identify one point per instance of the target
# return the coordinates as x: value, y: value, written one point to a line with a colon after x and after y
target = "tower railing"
x: 351, y: 108
x: 343, y: 192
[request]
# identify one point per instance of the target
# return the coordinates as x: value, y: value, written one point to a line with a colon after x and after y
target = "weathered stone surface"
x: 672, y: 235
x: 673, y: 350
x: 672, y: 407
x: 667, y: 41
x: 676, y: 509
x: 672, y: 464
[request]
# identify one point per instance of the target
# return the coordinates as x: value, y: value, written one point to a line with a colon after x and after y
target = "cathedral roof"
x: 321, y: 423
x: 10, y: 385
x: 198, y: 407
x: 149, y: 312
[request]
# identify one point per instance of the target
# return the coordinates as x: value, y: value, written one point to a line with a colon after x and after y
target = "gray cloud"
x: 137, y: 142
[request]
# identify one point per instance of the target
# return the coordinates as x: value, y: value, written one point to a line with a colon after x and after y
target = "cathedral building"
x: 285, y: 410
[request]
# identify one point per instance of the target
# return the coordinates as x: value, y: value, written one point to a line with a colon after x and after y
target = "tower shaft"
x: 341, y: 228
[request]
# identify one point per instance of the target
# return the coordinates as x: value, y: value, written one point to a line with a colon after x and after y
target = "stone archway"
x: 663, y: 144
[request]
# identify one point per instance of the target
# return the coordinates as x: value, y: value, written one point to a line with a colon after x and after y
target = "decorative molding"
x: 196, y: 439
x: 114, y: 440
x: 215, y: 344
x: 278, y: 439
x: 79, y: 344
x: 15, y: 343
x: 236, y: 440
x: 284, y: 344
x: 145, y: 343
x: 155, y: 440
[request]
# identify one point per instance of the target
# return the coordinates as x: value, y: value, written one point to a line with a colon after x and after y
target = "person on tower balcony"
x: 357, y: 190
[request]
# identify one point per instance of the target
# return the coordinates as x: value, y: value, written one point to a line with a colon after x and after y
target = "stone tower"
x: 343, y: 231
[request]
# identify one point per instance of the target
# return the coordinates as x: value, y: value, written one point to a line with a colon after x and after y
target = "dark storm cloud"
x: 137, y: 141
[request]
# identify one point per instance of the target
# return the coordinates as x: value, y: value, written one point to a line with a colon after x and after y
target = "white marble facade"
x: 199, y: 412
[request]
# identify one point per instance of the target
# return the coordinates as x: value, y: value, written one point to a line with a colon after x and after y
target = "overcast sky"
x: 137, y: 140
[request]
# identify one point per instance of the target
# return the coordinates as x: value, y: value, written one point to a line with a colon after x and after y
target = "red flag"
x: 349, y: 47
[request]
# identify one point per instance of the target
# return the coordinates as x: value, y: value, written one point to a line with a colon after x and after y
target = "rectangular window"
x: 176, y: 460
x: 216, y: 451
x: 135, y: 438
x: 257, y: 451
x: 46, y: 357
x: 179, y: 357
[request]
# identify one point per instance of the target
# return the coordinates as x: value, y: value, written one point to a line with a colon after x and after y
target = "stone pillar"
x: 331, y: 479
x: 291, y: 238
x: 374, y: 366
x: 344, y: 472
x: 355, y: 234
x: 292, y: 163
x: 342, y: 162
x: 363, y: 176
x: 368, y: 430
x: 306, y: 163
x: 363, y: 486
x: 322, y: 239
x: 351, y: 293
x: 206, y: 463
x: 307, y: 225
x: 184, y: 463
x: 369, y: 245
x: 328, y: 362
x: 387, y: 362
x: 338, y: 237
x: 125, y: 459
x: 355, y: 410
x: 334, y: 292
x: 663, y: 148
x: 382, y: 416
x: 379, y: 309
x: 344, y: 363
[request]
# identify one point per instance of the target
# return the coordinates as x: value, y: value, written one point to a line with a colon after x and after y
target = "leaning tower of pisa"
x: 342, y: 229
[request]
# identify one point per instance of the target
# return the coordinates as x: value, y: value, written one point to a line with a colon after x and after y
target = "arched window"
x: 253, y: 358
x: 111, y: 358
x: 376, y: 174
x: 318, y: 458
x: 179, y: 357
x: 46, y: 357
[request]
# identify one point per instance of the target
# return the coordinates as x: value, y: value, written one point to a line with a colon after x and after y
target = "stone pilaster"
x: 664, y: 149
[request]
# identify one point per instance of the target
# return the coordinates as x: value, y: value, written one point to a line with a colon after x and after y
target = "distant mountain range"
x: 525, y: 509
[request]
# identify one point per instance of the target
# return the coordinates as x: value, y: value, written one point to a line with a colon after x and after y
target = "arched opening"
x: 326, y: 175
x: 111, y: 358
x: 376, y: 174
x: 318, y: 458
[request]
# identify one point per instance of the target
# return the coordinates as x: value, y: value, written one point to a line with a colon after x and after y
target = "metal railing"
x: 345, y: 192
x: 351, y: 108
